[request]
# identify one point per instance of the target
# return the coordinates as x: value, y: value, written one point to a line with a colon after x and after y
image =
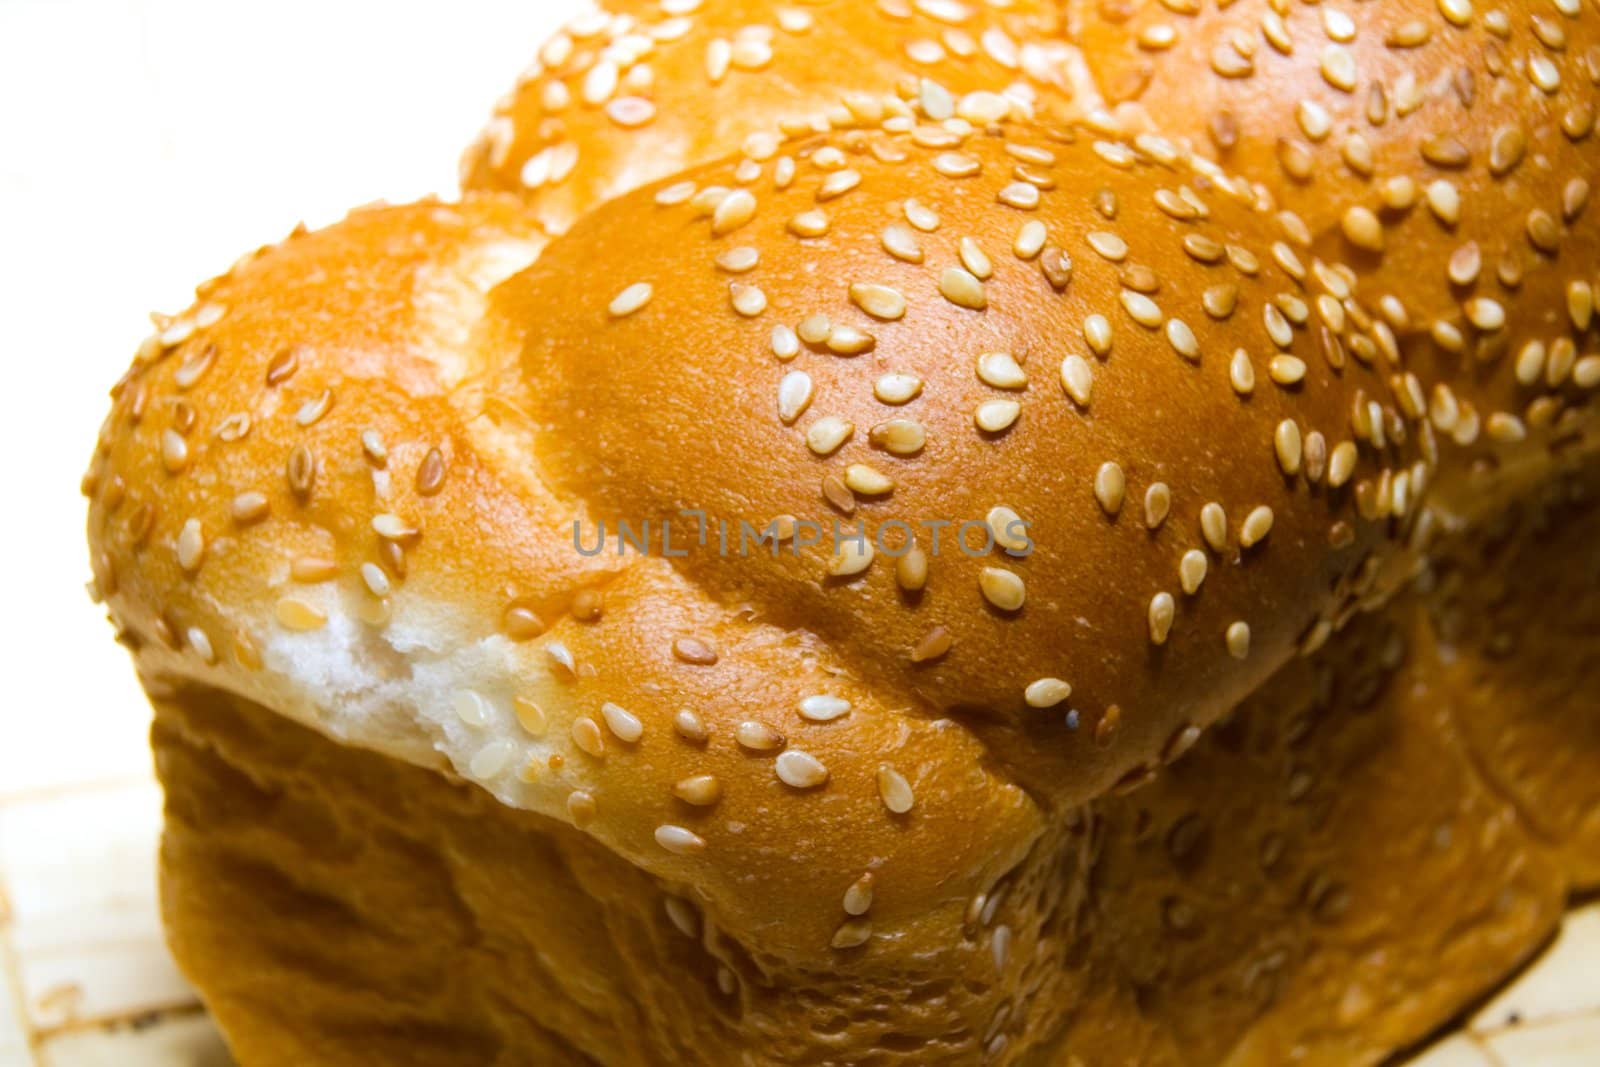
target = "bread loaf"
x: 542, y: 590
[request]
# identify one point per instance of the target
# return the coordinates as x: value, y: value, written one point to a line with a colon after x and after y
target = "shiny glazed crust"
x: 822, y: 804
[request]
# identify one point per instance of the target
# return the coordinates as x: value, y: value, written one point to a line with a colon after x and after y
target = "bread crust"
x: 910, y: 809
x: 627, y: 97
x: 1447, y: 154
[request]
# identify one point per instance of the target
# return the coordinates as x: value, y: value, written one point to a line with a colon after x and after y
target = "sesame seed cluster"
x: 1249, y: 314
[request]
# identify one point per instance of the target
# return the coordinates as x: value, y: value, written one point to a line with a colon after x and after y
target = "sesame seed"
x: 1109, y: 487
x: 1144, y: 310
x: 1157, y: 503
x: 794, y: 396
x: 622, y: 723
x: 758, y: 736
x: 248, y: 507
x: 982, y: 108
x: 1256, y: 526
x: 738, y: 260
x: 962, y: 288
x: 858, y: 898
x: 899, y: 437
x: 1175, y: 206
x: 800, y: 770
x: 852, y: 558
x: 562, y: 656
x: 530, y: 716
x: 823, y: 707
x: 812, y: 223
x: 1001, y: 370
x: 1202, y: 248
x: 1444, y: 200
x: 931, y: 645
x: 1030, y: 239
x: 785, y: 343
x: 1097, y: 333
x: 1338, y: 68
x: 392, y: 527
x: 690, y: 726
x: 849, y: 341
x: 921, y: 216
x: 1077, y: 379
x: 174, y: 451
x: 747, y: 300
x: 732, y: 212
x: 1485, y: 314
x: 191, y: 548
x: 701, y: 790
x: 911, y: 570
x: 866, y: 480
x: 1108, y: 245
x: 879, y: 301
x: 1161, y: 612
x: 1241, y: 373
x: 1002, y: 588
x: 827, y: 434
x: 897, y: 388
x: 1214, y: 526
x: 837, y: 494
x: 295, y: 614
x: 1362, y: 228
x: 956, y: 165
x: 674, y: 194
x: 310, y: 570
x: 630, y: 299
x: 1286, y: 370
x: 975, y: 259
x: 1192, y: 570
x: 193, y: 368
x: 837, y: 184
x: 852, y: 934
x: 894, y: 790
x: 492, y: 759
x: 693, y: 651
x: 1182, y: 340
x: 1046, y: 692
x: 996, y: 416
x: 586, y: 735
x: 1341, y: 463
x: 1000, y: 946
x: 1008, y: 529
x: 1544, y: 73
x: 901, y: 243
x: 1505, y: 428
x: 201, y: 644
x: 1580, y: 304
x: 1456, y: 12
x: 1020, y: 195
x: 1286, y: 442
x: 814, y: 329
x: 678, y: 840
x: 1586, y: 372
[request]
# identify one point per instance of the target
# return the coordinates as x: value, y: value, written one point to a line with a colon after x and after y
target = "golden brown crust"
x: 1328, y: 872
x: 358, y: 484
x: 332, y: 903
x: 477, y: 635
x: 1516, y: 606
x: 618, y: 392
x: 1447, y: 152
x: 621, y: 99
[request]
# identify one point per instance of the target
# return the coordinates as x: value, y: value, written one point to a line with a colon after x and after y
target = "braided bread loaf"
x: 846, y: 545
